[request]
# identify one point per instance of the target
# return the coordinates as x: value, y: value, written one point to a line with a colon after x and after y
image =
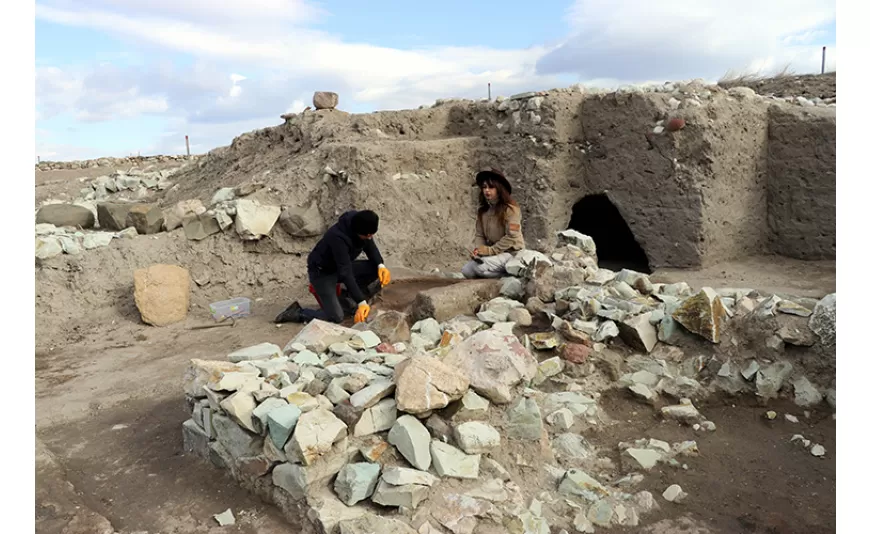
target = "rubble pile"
x: 112, y: 162
x: 476, y: 423
x: 106, y: 205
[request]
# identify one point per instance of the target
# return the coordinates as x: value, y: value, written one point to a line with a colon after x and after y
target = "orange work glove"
x: 362, y: 312
x: 384, y: 275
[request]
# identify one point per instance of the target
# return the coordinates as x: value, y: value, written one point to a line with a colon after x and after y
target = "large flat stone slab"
x: 461, y: 298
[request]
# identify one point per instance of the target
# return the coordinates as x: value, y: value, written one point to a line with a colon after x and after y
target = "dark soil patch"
x: 748, y: 478
x: 139, y: 476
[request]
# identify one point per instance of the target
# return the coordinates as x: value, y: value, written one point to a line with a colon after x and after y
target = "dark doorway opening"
x: 597, y: 217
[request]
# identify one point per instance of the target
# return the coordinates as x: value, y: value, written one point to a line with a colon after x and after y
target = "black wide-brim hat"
x: 495, y: 175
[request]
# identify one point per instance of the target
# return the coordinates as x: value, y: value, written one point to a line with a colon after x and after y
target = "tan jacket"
x: 491, y: 237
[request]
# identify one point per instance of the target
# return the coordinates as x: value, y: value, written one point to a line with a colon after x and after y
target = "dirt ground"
x: 808, y: 86
x: 748, y: 478
x: 773, y: 274
x: 109, y: 410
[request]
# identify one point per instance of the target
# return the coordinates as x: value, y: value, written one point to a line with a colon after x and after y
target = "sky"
x: 126, y: 77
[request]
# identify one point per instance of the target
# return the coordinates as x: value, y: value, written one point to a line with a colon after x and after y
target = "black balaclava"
x: 365, y: 222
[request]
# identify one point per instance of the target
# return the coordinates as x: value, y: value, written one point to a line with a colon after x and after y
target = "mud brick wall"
x: 802, y: 182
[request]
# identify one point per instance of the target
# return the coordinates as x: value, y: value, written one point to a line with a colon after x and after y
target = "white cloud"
x: 285, y: 62
x: 634, y: 40
x: 233, y: 12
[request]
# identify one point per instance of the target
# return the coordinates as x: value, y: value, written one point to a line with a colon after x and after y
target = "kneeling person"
x: 498, y: 233
x: 333, y: 261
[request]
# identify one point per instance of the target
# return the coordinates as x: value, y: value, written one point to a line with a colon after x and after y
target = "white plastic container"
x: 237, y: 307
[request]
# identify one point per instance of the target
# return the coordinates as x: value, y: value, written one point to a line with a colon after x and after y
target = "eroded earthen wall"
x: 734, y: 157
x: 802, y: 182
x: 637, y: 171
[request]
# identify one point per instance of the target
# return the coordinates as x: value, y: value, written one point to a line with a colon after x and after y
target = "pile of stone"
x: 111, y: 162
x: 469, y: 425
x: 68, y: 227
x: 345, y: 423
x: 140, y: 183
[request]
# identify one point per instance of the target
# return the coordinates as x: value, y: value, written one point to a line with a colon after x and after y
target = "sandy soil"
x: 774, y: 274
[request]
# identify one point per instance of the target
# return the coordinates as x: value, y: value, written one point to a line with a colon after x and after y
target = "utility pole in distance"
x: 187, y: 143
x: 824, y: 49
x: 489, y: 91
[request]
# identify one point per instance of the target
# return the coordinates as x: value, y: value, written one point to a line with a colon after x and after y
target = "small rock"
x: 548, y: 368
x: 817, y: 450
x: 524, y: 421
x: 452, y: 462
x: 645, y: 458
x: 805, y: 394
x: 572, y: 447
x: 315, y: 433
x: 520, y: 316
x: 65, y: 215
x: 254, y: 221
x: 260, y: 414
x: 48, y: 247
x: 407, y: 496
x: 512, y: 288
x: 674, y: 494
x: 769, y: 380
x: 161, y: 293
x: 770, y: 415
x: 471, y: 406
x: 562, y: 419
x: 702, y: 314
x: 426, y: 383
x: 378, y: 418
x: 145, y: 218
x: 577, y: 482
x: 402, y: 476
x: 412, y: 440
x: 475, y: 437
x: 356, y: 482
x: 790, y: 418
x: 638, y: 333
x: 263, y: 351
x: 643, y: 392
x: 240, y: 406
x: 225, y: 518
x: 372, y: 393
x: 376, y: 524
x: 576, y: 353
x: 325, y: 100
x: 600, y: 513
x: 685, y: 413
x: 823, y: 321
x: 373, y: 449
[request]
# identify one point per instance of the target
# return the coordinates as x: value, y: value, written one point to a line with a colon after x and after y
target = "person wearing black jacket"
x: 334, y: 261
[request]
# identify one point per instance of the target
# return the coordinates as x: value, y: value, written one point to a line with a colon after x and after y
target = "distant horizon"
x: 114, y: 79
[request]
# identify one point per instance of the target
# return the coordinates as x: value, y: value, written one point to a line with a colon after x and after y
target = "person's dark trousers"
x: 334, y: 307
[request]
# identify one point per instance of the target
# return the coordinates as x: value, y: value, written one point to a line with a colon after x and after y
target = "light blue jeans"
x: 490, y: 267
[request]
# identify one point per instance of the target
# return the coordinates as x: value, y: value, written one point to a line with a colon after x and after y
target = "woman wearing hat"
x: 499, y: 227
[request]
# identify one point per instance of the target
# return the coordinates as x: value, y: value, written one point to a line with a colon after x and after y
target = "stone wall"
x: 802, y: 182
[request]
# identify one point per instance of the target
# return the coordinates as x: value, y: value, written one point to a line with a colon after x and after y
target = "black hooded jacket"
x: 335, y: 251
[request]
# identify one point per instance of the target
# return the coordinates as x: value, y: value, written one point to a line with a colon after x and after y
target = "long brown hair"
x: 504, y: 200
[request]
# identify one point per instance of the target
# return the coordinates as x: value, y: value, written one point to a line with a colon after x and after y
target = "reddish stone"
x: 386, y: 348
x: 256, y: 466
x: 676, y: 124
x: 575, y: 353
